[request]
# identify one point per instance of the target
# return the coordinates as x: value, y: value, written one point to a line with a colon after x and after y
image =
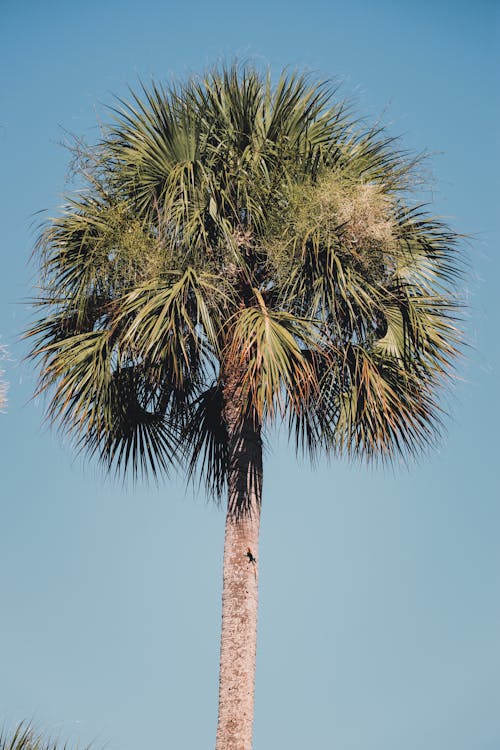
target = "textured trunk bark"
x: 239, y: 597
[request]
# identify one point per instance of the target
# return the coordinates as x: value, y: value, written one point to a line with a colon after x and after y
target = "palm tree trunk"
x: 239, y: 597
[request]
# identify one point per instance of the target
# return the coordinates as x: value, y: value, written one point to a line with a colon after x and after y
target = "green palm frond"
x: 204, y: 440
x: 173, y: 323
x: 427, y: 253
x: 125, y: 414
x: 97, y: 247
x: 142, y: 426
x: 383, y: 409
x: 268, y: 346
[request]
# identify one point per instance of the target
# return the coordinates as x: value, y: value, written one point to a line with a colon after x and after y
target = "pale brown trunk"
x: 239, y: 597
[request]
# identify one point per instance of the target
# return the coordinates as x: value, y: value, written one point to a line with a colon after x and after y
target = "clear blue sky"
x: 379, y: 621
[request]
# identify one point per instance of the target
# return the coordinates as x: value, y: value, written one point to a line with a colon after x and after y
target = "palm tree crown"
x: 228, y: 223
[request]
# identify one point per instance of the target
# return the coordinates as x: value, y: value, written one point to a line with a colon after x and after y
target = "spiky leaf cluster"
x: 24, y: 737
x: 233, y: 225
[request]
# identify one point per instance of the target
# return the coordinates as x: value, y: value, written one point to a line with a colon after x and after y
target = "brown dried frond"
x: 359, y: 219
x: 363, y: 213
x: 368, y: 215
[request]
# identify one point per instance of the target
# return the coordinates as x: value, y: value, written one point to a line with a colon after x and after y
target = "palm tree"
x: 243, y: 254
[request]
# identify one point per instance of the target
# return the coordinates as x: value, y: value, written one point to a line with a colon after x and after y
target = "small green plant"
x: 25, y: 737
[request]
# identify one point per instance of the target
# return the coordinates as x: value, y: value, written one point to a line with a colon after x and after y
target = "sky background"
x: 379, y: 623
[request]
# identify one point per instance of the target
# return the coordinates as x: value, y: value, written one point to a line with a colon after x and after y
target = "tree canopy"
x: 230, y: 220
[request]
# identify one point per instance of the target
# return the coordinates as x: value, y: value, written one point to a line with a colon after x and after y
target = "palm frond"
x: 175, y: 322
x: 383, y: 408
x: 204, y: 439
x: 267, y: 346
